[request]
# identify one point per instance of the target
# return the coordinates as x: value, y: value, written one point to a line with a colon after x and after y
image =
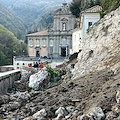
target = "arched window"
x: 64, y: 26
x: 51, y: 43
x: 37, y: 43
x: 44, y: 43
x: 31, y: 43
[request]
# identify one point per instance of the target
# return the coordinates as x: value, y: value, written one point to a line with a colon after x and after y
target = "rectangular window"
x: 89, y: 24
x: 37, y: 43
x: 63, y: 41
x: 51, y: 43
x: 51, y: 50
x: 44, y: 43
x: 31, y: 43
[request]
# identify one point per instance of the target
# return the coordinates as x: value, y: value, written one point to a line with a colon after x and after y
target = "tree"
x: 9, y: 46
x: 109, y: 5
x: 91, y: 3
x: 75, y: 7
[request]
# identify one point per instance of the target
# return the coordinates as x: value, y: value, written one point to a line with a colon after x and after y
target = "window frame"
x: 31, y: 43
x: 37, y: 43
x: 51, y: 41
x: 64, y: 41
x: 89, y: 24
x: 44, y: 42
x: 64, y: 26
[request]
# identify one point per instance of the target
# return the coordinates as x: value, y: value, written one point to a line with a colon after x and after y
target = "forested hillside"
x: 10, y: 20
x: 9, y: 46
x: 31, y: 11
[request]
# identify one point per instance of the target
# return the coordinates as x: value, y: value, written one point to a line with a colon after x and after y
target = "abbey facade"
x: 55, y: 42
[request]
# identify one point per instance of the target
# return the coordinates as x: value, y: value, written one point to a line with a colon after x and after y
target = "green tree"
x: 109, y: 5
x: 10, y: 46
x: 75, y: 7
x: 91, y: 3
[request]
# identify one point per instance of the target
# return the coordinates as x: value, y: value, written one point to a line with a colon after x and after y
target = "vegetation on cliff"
x: 76, y: 6
x: 9, y: 46
x: 108, y: 6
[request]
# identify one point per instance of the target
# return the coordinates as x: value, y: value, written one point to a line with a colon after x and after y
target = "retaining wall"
x: 7, y: 80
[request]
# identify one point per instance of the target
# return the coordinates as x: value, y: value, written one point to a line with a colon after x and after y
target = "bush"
x: 54, y: 75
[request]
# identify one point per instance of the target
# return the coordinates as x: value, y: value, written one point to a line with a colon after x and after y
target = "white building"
x: 87, y: 19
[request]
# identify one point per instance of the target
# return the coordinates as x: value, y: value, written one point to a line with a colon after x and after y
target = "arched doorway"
x: 37, y: 53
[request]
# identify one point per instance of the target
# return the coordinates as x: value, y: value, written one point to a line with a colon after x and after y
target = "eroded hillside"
x: 102, y: 46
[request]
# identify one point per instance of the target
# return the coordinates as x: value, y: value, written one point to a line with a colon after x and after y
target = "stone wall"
x: 7, y: 80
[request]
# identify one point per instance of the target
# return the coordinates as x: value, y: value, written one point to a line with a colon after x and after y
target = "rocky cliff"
x: 102, y: 46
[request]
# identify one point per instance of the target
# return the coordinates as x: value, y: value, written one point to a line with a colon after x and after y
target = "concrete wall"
x: 7, y: 80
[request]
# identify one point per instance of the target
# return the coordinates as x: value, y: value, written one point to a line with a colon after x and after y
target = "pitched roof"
x: 38, y: 33
x: 92, y: 9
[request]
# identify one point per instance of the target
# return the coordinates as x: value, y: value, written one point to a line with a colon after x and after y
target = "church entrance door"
x: 63, y: 52
x: 37, y: 54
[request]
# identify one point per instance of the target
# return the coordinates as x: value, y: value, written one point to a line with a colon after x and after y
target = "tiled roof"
x: 92, y: 9
x: 38, y: 33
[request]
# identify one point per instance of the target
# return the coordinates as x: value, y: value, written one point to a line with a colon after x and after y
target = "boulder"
x: 70, y: 109
x: 61, y: 111
x: 97, y: 113
x: 39, y: 80
x: 40, y: 114
x: 26, y: 73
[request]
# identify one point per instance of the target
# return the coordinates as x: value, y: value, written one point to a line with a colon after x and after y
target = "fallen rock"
x: 39, y: 80
x: 20, y: 96
x: 70, y: 109
x: 4, y: 99
x: 61, y: 111
x: 116, y: 109
x: 86, y: 117
x: 59, y: 117
x: 26, y: 73
x: 97, y: 113
x: 40, y: 114
x: 110, y: 116
x: 12, y: 106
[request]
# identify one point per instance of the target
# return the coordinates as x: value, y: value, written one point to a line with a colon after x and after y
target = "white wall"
x: 76, y: 41
x: 20, y: 64
x: 89, y: 17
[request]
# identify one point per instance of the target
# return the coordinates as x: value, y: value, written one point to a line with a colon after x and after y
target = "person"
x: 29, y: 65
x: 41, y: 65
x: 36, y: 65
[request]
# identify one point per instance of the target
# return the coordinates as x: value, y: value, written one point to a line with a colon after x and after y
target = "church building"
x: 55, y: 42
